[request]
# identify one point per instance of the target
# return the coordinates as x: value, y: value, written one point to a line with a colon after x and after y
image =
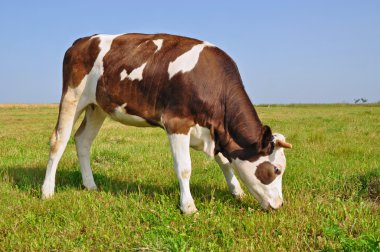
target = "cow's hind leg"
x: 84, y: 137
x: 69, y: 112
x: 180, y: 146
x: 232, y: 181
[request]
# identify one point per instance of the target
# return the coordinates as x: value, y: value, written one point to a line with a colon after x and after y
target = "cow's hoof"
x: 90, y: 186
x: 189, y: 209
x: 47, y: 191
x: 239, y: 195
x: 45, y: 196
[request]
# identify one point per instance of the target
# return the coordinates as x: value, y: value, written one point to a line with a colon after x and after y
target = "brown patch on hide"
x: 266, y: 172
x: 79, y: 60
x: 54, y: 141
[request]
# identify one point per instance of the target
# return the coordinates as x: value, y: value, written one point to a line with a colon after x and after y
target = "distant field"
x: 331, y: 188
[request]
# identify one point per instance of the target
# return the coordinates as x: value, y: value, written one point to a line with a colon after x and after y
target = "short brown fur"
x: 79, y: 60
x: 265, y: 172
x: 211, y: 94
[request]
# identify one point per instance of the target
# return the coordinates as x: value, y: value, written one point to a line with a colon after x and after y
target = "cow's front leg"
x: 180, y: 146
x: 232, y: 182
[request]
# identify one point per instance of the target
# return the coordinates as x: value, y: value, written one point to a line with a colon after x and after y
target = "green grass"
x: 331, y: 188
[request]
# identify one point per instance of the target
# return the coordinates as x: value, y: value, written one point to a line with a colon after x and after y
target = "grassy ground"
x: 331, y: 188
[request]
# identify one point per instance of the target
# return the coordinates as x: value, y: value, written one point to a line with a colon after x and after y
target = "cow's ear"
x: 267, y: 145
x: 267, y: 137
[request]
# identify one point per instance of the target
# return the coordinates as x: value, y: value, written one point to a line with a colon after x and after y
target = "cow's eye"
x: 276, y: 170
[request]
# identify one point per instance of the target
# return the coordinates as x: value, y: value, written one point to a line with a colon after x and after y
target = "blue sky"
x: 322, y: 51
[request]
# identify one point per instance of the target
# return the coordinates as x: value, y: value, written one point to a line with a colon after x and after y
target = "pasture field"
x: 331, y: 188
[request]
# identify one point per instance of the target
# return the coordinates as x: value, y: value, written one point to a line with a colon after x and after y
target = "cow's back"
x: 156, y: 76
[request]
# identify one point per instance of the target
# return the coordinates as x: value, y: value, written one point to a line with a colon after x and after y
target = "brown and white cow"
x: 188, y: 87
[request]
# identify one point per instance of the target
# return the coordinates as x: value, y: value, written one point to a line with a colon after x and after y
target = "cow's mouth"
x: 272, y: 206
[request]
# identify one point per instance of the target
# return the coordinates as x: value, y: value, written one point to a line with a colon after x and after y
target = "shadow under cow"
x: 30, y: 179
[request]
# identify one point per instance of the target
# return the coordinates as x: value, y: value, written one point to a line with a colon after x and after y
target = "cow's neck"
x: 242, y: 127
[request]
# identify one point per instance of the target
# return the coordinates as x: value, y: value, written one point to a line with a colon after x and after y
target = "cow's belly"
x: 201, y: 139
x: 121, y: 116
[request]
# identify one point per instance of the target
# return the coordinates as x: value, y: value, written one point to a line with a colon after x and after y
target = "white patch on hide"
x: 267, y: 195
x: 136, y: 74
x: 179, y: 144
x: 158, y: 43
x: 187, y: 61
x: 90, y: 81
x: 200, y: 139
x: 278, y: 156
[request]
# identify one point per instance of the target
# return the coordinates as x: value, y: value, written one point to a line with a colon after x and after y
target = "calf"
x: 189, y: 88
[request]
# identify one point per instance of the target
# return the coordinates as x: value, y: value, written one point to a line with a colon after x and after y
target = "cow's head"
x: 263, y: 176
